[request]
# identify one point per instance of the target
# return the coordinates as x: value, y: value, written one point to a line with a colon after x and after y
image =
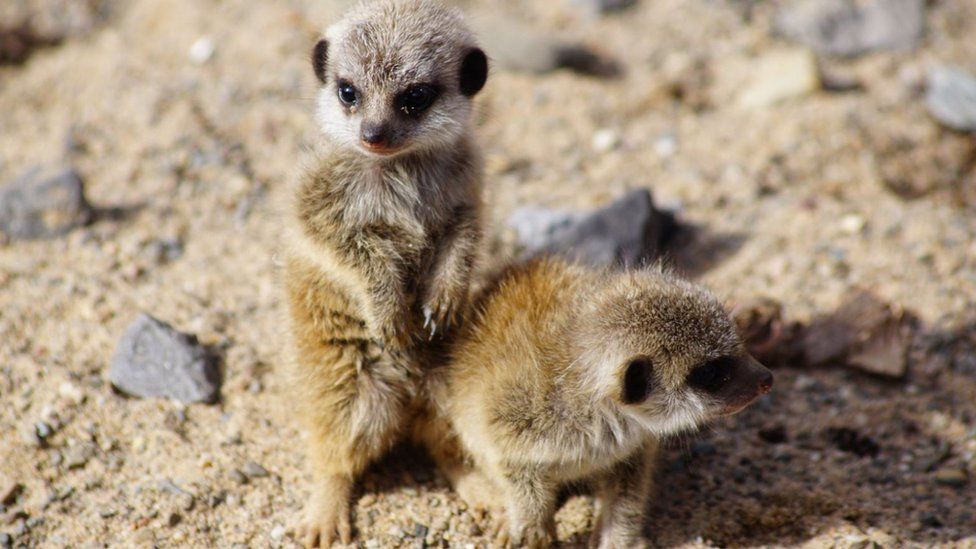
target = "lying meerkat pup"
x: 382, y: 235
x: 566, y: 374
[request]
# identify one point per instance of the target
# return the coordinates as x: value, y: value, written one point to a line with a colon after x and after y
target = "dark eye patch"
x: 637, y: 381
x: 416, y: 99
x: 713, y: 375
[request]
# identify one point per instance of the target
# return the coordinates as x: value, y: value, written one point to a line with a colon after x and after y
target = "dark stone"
x: 703, y: 448
x: 629, y: 231
x: 849, y: 28
x: 849, y: 440
x: 154, y: 360
x: 773, y: 435
x: 43, y: 203
x: 931, y: 521
x: 420, y: 530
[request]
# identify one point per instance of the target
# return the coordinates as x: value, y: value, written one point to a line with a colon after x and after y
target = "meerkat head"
x: 397, y: 76
x: 667, y: 353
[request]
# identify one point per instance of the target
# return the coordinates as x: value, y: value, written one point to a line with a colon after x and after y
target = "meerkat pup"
x: 382, y: 236
x: 567, y: 374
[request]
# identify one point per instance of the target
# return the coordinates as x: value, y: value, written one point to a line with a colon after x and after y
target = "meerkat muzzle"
x: 750, y: 380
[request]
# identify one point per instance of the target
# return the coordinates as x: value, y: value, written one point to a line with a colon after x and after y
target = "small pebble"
x: 78, y: 455
x: 852, y: 224
x: 202, y: 50
x: 237, y: 476
x: 6, y: 541
x: 72, y: 393
x: 173, y: 519
x: 605, y: 140
x: 951, y: 476
x: 43, y: 430
x: 666, y: 145
x: 277, y: 532
x: 254, y: 470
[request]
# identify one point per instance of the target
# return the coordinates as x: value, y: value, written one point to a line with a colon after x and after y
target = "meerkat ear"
x: 638, y: 380
x: 474, y: 72
x: 319, y: 55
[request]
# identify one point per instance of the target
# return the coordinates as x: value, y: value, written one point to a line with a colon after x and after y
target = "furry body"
x: 382, y: 237
x: 568, y: 374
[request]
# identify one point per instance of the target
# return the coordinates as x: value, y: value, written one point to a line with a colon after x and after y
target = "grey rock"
x: 254, y: 470
x: 628, y: 231
x: 154, y: 360
x: 950, y: 96
x: 849, y: 28
x: 6, y: 541
x: 43, y: 203
x: 43, y: 430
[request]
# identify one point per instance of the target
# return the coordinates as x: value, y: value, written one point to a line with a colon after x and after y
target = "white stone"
x: 666, y: 145
x: 202, y: 50
x: 852, y: 224
x: 779, y: 76
x: 605, y: 140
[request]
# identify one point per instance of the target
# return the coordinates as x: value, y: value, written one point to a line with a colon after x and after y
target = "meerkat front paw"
x: 604, y: 538
x: 327, y: 515
x: 532, y: 536
x: 441, y: 313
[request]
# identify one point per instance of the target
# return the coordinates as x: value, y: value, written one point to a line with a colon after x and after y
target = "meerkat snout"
x: 386, y: 95
x: 733, y: 381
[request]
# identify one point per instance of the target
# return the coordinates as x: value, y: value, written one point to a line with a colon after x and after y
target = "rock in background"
x: 950, y: 95
x: 44, y: 202
x: 849, y: 28
x: 629, y: 231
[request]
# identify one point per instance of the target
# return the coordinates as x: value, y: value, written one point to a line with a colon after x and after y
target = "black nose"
x: 374, y: 134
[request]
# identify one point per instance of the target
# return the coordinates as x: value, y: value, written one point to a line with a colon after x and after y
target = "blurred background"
x: 812, y: 161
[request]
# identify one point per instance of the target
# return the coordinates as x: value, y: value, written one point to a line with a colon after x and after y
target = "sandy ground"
x: 789, y: 201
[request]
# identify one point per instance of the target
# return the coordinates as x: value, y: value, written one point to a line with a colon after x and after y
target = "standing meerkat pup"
x: 382, y: 236
x: 568, y: 374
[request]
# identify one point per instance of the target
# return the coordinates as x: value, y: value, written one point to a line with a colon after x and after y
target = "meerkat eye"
x: 347, y: 93
x: 416, y: 99
x: 711, y: 376
x: 637, y: 381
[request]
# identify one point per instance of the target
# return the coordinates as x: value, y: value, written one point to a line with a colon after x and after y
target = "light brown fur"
x: 569, y: 374
x: 381, y: 239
